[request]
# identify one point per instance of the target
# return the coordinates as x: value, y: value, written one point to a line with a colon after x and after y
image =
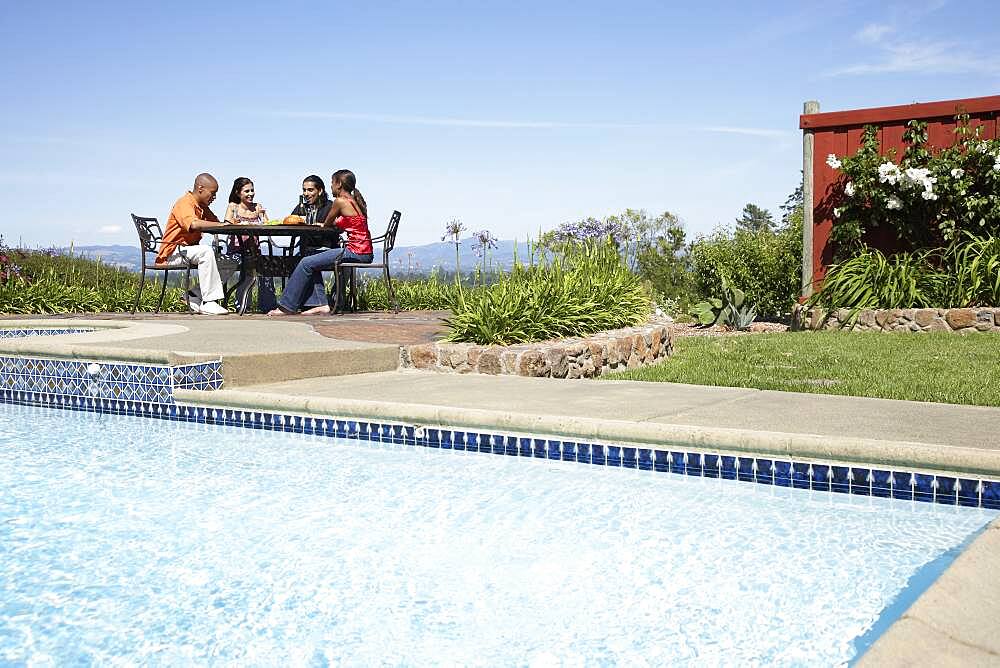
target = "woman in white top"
x: 243, y: 210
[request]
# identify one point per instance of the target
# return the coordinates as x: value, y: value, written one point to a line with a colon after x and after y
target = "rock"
x: 938, y: 325
x: 509, y: 362
x: 924, y: 316
x: 557, y: 362
x: 624, y: 345
x: 458, y: 355
x: 598, y: 350
x: 966, y: 331
x: 906, y: 314
x: 473, y: 356
x: 423, y: 356
x: 639, y: 348
x: 881, y: 318
x: 984, y: 320
x: 404, y: 357
x: 867, y: 318
x: 489, y: 362
x: 612, y: 352
x: 959, y: 318
x: 532, y: 363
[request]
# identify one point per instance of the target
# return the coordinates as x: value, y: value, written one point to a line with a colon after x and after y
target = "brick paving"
x: 403, y: 328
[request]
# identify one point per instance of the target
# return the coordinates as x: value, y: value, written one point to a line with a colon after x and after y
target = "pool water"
x: 145, y: 541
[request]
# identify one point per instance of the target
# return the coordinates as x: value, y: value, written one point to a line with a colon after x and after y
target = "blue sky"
x: 513, y: 117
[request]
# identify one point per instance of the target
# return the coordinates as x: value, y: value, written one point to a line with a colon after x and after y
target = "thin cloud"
x: 750, y: 132
x: 518, y: 125
x: 924, y: 58
x: 873, y: 33
x: 895, y: 56
x: 453, y: 122
x: 110, y: 229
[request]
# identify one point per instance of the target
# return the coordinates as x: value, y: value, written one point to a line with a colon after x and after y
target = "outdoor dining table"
x: 255, y: 264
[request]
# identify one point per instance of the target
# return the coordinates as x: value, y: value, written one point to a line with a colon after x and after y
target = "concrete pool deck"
x: 287, y: 365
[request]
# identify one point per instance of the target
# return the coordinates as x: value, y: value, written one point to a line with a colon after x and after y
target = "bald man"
x: 180, y: 245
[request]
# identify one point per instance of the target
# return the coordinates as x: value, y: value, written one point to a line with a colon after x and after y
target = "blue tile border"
x: 105, y: 380
x: 825, y: 477
x: 19, y: 332
x: 145, y: 390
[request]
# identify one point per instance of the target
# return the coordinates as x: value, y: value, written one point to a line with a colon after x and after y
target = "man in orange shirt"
x: 180, y: 245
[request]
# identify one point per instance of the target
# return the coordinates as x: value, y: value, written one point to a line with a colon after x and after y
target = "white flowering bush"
x: 930, y: 198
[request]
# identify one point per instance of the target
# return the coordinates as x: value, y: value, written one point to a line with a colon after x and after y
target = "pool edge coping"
x: 937, y: 458
x: 942, y: 625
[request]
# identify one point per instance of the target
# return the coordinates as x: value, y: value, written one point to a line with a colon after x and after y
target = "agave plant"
x: 732, y: 309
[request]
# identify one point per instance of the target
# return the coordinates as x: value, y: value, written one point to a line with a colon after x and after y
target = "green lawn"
x: 920, y: 367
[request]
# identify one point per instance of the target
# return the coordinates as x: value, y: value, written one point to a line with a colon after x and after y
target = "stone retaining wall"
x: 563, y: 358
x: 958, y: 320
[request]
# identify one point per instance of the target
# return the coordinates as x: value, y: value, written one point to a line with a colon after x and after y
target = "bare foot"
x: 317, y: 310
x: 279, y: 312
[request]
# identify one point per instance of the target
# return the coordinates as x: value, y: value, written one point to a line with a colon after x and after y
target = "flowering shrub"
x: 9, y: 271
x: 591, y: 229
x: 930, y: 197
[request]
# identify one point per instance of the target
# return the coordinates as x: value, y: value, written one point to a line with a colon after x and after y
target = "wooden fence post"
x: 810, y: 107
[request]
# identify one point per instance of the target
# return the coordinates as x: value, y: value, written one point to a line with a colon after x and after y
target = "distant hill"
x: 126, y: 257
x: 415, y: 260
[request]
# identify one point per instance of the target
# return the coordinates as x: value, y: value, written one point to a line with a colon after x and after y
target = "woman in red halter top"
x: 348, y: 212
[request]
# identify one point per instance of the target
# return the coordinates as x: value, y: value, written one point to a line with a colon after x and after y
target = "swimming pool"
x: 124, y: 539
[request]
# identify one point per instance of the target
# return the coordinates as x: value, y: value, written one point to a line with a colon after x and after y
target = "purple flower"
x: 484, y: 241
x: 590, y: 229
x: 453, y: 230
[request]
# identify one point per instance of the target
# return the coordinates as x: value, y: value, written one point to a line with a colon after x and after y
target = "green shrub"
x: 872, y: 280
x: 431, y: 293
x: 963, y: 274
x: 974, y: 276
x: 765, y: 265
x: 587, y: 291
x: 41, y: 282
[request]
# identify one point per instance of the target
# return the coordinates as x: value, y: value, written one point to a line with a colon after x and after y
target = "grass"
x: 937, y: 367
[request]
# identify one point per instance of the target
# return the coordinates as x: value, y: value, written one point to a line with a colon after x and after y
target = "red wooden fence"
x: 839, y: 132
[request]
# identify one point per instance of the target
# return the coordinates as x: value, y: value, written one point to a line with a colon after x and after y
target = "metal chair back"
x: 150, y: 237
x: 388, y: 241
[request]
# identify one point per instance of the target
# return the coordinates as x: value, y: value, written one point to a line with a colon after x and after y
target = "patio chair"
x: 388, y: 241
x: 150, y: 238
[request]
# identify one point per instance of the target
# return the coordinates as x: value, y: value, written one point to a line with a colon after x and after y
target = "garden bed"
x: 619, y: 349
x: 956, y: 320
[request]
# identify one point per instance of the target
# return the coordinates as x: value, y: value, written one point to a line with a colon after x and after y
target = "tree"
x: 665, y: 263
x: 791, y: 210
x: 755, y: 219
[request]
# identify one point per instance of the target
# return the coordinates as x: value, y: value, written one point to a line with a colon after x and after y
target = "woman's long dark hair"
x: 318, y: 182
x: 346, y: 178
x: 234, y: 195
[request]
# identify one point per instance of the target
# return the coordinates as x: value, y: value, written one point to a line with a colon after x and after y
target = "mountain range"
x: 412, y: 260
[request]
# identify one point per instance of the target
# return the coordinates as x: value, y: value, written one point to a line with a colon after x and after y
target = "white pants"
x: 210, y: 279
